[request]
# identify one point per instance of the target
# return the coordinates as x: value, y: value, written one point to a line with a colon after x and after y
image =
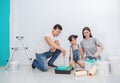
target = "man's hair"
x: 57, y: 26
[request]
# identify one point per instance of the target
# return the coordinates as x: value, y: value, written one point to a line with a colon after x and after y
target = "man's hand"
x: 52, y: 50
x: 72, y: 62
x: 63, y: 52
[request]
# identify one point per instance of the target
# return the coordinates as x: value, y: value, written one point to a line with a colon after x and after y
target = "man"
x: 48, y: 47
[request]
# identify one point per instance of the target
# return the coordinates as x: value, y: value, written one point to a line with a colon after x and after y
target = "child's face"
x: 73, y: 41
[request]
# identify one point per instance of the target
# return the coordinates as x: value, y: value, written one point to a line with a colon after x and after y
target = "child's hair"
x: 72, y: 36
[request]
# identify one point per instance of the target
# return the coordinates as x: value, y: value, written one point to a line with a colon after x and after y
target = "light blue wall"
x: 4, y: 31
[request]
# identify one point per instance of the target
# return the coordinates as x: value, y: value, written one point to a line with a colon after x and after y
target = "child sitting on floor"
x: 74, y: 52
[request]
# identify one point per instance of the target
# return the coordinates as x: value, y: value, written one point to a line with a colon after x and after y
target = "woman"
x: 90, y: 45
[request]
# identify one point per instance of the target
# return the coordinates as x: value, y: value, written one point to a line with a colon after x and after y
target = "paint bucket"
x: 14, y: 66
x: 115, y: 64
x: 88, y: 64
x: 103, y: 68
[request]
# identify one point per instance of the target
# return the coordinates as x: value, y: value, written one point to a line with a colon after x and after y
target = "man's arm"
x: 54, y: 49
x: 54, y: 45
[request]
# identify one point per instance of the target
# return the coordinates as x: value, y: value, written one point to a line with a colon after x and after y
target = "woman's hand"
x: 96, y: 55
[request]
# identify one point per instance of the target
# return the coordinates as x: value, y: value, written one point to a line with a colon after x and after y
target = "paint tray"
x: 63, y: 69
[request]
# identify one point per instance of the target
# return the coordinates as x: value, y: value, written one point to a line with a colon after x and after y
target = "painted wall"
x: 32, y: 18
x: 4, y: 31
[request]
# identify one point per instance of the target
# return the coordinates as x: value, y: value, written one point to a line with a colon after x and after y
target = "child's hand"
x: 72, y: 62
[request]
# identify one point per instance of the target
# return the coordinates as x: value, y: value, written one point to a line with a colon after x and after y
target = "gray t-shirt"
x: 90, y: 46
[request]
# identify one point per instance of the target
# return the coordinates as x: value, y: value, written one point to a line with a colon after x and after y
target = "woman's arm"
x: 100, y: 48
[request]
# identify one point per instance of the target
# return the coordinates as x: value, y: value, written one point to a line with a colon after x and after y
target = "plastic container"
x: 103, y: 68
x: 115, y: 64
x: 89, y: 64
x: 14, y: 66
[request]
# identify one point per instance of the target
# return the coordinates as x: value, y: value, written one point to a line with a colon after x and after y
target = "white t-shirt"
x: 42, y: 45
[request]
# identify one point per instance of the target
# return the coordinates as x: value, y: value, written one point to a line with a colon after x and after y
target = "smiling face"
x: 56, y: 32
x: 86, y: 33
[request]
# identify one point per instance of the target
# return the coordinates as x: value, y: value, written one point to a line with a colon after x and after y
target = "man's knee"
x: 44, y: 69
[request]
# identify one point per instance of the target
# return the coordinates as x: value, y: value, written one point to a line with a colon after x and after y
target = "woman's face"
x: 86, y: 33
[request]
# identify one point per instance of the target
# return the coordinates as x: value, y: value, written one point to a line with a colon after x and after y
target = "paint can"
x: 14, y: 66
x: 103, y: 68
x: 115, y: 64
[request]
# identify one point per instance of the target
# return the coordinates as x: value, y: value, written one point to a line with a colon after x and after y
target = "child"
x: 75, y: 52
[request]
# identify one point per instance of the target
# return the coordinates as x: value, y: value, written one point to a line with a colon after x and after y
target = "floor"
x: 25, y: 74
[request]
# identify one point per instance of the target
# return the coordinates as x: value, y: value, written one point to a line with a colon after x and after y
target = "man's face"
x: 56, y: 32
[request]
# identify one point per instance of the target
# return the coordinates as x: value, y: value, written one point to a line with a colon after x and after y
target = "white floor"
x: 26, y: 74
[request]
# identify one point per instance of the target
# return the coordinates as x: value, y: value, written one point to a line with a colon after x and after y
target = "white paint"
x: 32, y: 18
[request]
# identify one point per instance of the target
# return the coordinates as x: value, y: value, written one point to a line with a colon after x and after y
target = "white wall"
x: 32, y: 18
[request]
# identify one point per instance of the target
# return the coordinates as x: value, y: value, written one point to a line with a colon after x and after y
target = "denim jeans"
x: 91, y: 58
x: 41, y: 59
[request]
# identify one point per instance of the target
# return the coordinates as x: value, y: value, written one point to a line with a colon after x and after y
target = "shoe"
x: 52, y: 65
x: 33, y: 65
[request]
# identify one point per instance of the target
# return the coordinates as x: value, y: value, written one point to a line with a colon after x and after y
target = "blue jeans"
x: 91, y: 58
x: 41, y: 59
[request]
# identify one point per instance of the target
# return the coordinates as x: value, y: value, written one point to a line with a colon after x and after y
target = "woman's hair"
x: 72, y: 36
x: 57, y: 26
x: 86, y: 28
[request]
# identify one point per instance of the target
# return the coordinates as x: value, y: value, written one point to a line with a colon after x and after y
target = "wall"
x: 4, y: 31
x: 32, y: 18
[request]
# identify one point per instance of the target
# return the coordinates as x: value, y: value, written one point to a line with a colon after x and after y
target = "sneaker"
x: 33, y: 65
x: 52, y: 65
